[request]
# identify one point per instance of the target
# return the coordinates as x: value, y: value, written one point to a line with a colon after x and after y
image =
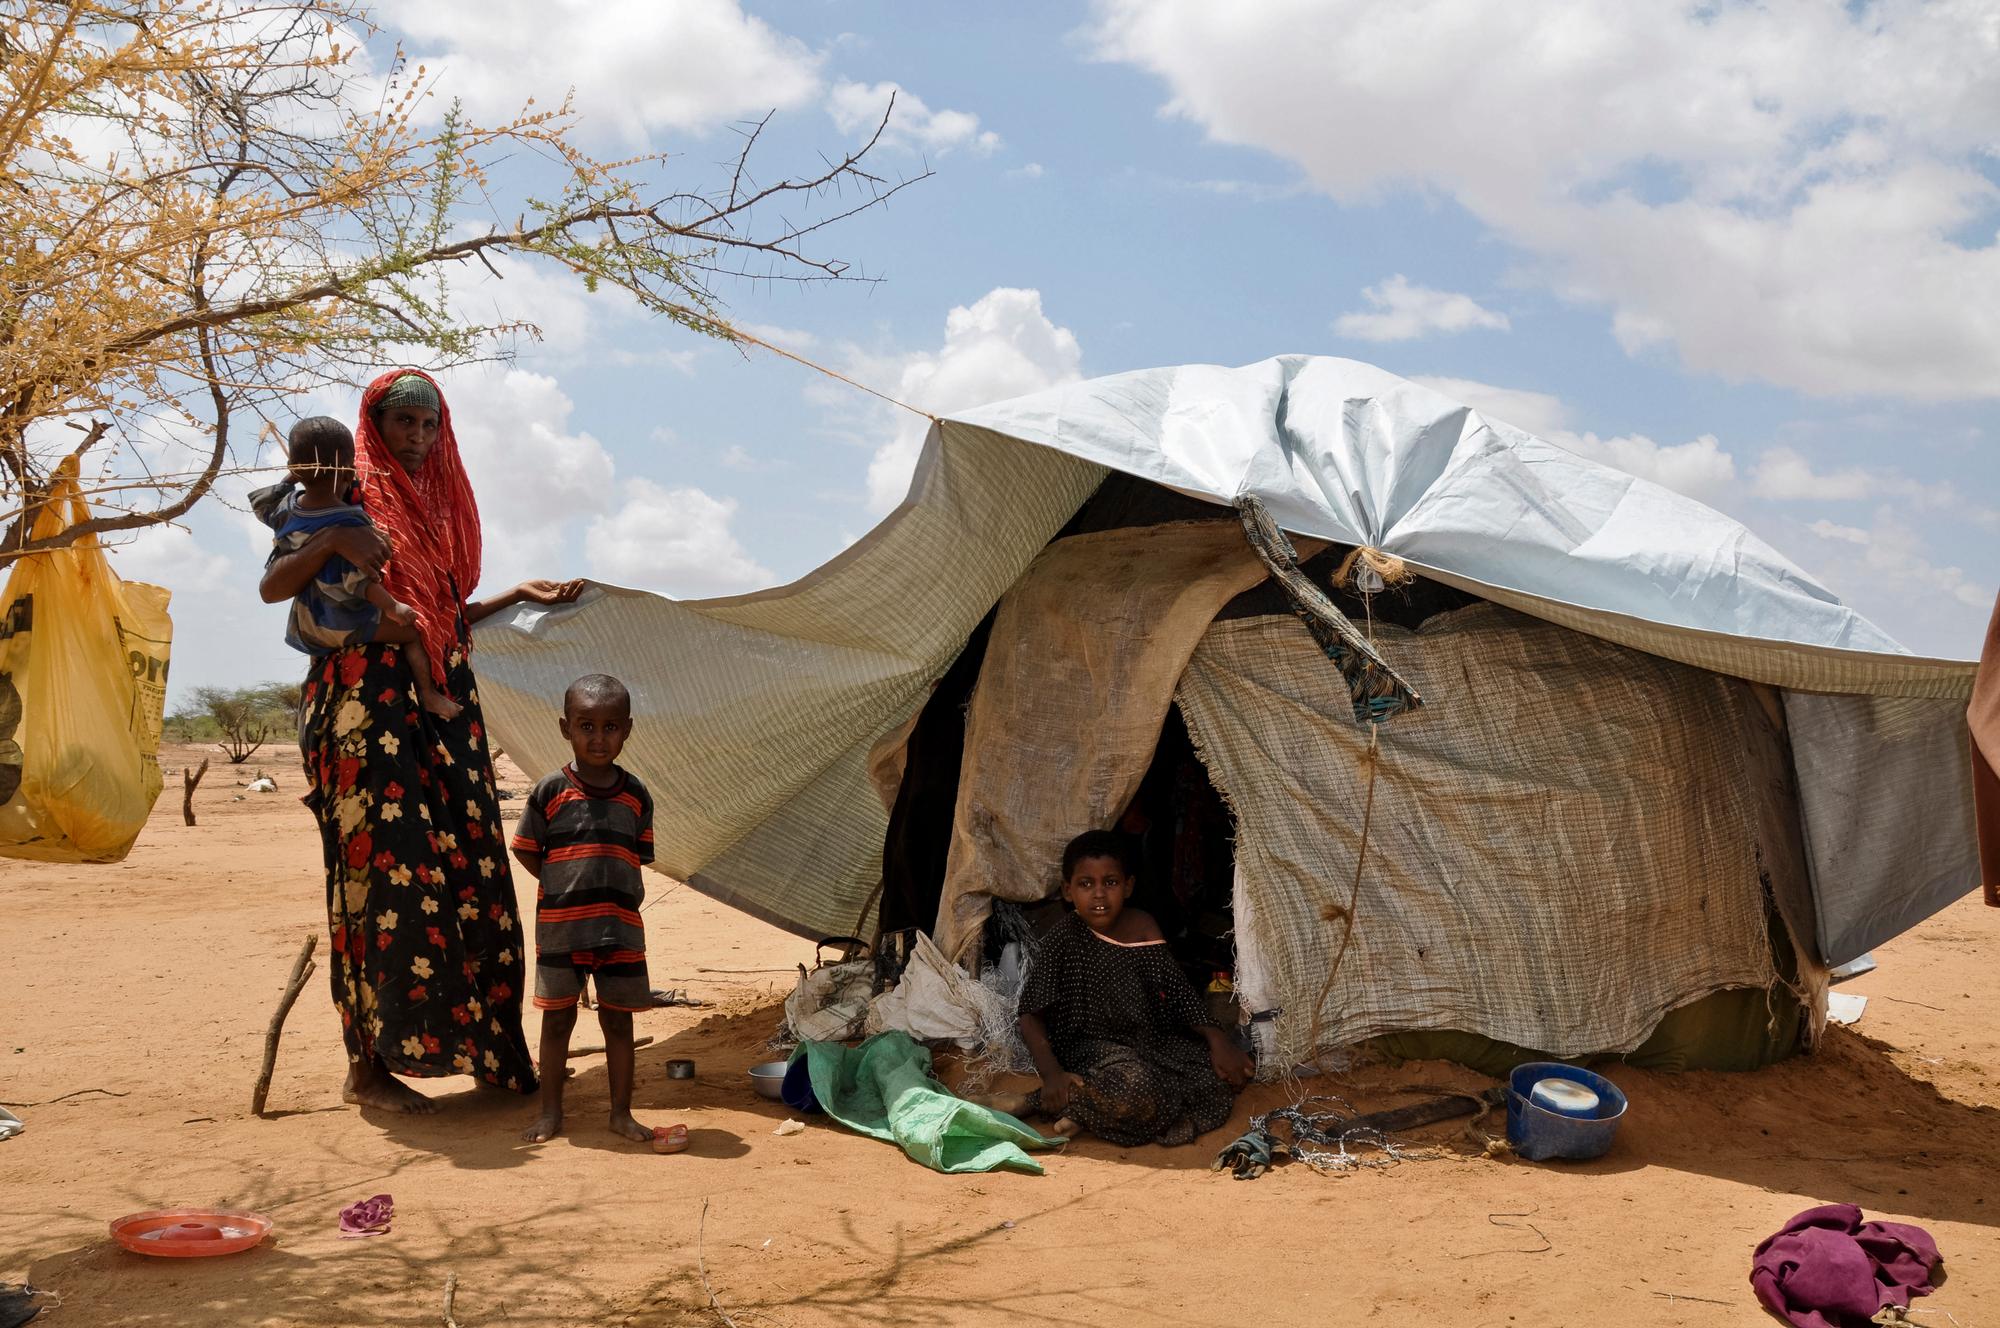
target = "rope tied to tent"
x: 1378, y: 691
x: 1370, y: 762
x: 1365, y: 571
x: 738, y: 335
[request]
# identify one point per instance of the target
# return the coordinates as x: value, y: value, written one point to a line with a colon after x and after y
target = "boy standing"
x: 587, y: 829
x: 342, y: 606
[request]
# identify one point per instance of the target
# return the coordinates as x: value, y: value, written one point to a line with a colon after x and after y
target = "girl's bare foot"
x: 544, y: 1129
x: 439, y: 704
x: 1014, y: 1104
x: 369, y: 1084
x: 1065, y: 1127
x: 623, y: 1125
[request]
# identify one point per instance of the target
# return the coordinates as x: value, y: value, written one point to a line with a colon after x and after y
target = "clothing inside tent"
x: 769, y: 723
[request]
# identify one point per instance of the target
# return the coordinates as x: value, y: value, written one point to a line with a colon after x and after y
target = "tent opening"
x: 1184, y: 836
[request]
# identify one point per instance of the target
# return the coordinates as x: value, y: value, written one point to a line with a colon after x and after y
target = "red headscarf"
x: 430, y: 519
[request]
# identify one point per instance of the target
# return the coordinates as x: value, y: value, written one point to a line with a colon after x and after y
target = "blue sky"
x: 1747, y: 252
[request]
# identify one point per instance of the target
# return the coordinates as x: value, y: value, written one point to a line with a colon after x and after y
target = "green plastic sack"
x: 884, y: 1089
x: 83, y: 683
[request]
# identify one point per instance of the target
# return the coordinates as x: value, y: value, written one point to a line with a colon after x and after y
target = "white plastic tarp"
x: 760, y: 710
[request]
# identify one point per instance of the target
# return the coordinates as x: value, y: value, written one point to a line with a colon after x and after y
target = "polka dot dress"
x: 1123, y: 1017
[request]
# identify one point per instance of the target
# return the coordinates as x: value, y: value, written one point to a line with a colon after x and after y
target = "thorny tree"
x: 208, y: 204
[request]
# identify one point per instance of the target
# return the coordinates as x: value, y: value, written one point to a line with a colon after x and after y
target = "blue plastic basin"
x: 1539, y: 1134
x: 797, y: 1091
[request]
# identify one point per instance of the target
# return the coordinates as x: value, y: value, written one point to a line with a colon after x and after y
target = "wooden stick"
x: 450, y: 1294
x: 597, y: 1048
x: 1426, y: 1113
x: 189, y: 779
x: 701, y: 1262
x: 302, y: 968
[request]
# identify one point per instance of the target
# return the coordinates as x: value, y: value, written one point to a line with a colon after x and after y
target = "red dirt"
x: 154, y: 979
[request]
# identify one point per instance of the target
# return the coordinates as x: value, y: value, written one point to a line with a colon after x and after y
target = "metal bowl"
x: 769, y: 1080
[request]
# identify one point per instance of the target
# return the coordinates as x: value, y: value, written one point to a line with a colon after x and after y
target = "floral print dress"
x: 428, y: 960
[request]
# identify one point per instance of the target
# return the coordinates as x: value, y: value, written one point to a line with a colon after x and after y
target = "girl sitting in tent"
x: 1124, y: 1046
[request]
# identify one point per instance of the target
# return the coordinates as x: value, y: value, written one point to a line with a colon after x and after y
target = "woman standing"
x: 428, y: 951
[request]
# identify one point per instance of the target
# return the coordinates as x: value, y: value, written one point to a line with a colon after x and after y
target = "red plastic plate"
x: 190, y: 1233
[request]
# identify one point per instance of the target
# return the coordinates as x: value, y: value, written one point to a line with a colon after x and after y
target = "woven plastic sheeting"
x: 1079, y: 673
x: 1563, y: 844
x: 1894, y: 843
x: 754, y: 715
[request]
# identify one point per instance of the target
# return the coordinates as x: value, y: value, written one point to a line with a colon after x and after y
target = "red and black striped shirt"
x: 592, y: 844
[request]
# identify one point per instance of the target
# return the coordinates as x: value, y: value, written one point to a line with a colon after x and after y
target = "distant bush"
x: 238, y: 720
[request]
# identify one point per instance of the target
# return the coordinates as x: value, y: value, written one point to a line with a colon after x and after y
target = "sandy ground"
x: 152, y: 980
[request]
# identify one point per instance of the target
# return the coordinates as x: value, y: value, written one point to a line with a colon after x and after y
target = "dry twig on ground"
x: 189, y: 779
x: 701, y: 1265
x: 74, y: 1092
x: 302, y: 968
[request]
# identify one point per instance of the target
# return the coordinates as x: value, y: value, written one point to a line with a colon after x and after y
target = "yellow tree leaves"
x: 206, y: 206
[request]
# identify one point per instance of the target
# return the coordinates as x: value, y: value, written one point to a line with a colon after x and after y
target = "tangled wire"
x: 1326, y: 1140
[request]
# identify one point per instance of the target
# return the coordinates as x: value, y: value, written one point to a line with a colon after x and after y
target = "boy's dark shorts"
x: 619, y: 976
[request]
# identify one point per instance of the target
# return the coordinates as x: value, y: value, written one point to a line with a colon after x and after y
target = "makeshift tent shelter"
x: 1639, y: 722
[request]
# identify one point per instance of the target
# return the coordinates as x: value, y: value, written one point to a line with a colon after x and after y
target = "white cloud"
x: 857, y: 108
x: 784, y: 338
x: 676, y: 541
x: 1032, y: 171
x: 1885, y: 563
x: 636, y: 65
x: 532, y: 474
x: 1537, y: 412
x: 1784, y: 475
x: 550, y: 299
x: 1783, y: 191
x: 738, y: 457
x: 169, y: 556
x: 1403, y: 312
x: 1000, y: 346
x: 1699, y: 468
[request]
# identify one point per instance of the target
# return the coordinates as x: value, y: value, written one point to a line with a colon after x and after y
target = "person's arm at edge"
x: 528, y: 592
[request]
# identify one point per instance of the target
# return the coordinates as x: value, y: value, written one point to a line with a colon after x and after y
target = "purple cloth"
x: 369, y: 1217
x: 1826, y: 1268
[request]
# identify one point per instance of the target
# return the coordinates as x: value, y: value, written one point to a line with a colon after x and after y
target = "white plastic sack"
x: 934, y: 1002
x: 830, y: 1003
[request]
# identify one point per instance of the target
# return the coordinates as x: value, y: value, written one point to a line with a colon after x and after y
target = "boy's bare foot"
x: 623, y: 1125
x: 369, y: 1084
x: 544, y: 1129
x: 1065, y: 1127
x: 440, y: 705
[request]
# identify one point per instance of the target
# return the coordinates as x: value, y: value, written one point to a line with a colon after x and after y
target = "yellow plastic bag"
x: 83, y: 682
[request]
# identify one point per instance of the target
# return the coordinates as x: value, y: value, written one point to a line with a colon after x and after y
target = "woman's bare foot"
x: 369, y: 1084
x: 624, y: 1126
x: 439, y: 704
x: 1014, y: 1104
x: 1065, y: 1127
x: 544, y: 1129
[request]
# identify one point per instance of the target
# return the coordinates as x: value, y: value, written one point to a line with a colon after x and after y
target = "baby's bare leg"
x: 428, y: 696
